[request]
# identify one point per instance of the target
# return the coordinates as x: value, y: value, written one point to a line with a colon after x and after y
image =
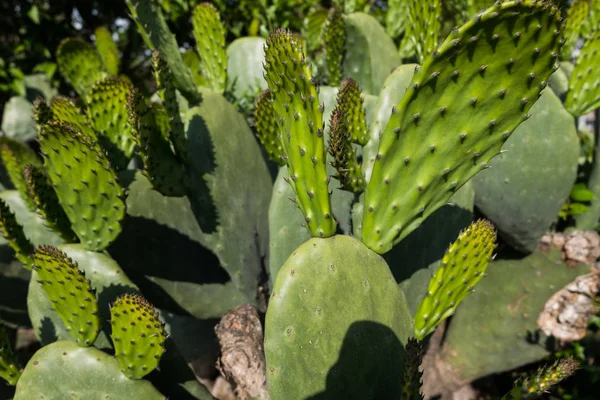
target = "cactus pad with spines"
x: 107, y: 109
x: 351, y: 104
x: 108, y: 50
x: 462, y: 266
x: 46, y: 202
x: 209, y: 34
x: 85, y: 183
x: 266, y: 127
x: 334, y: 41
x: 70, y: 292
x: 13, y: 233
x: 460, y: 107
x: 80, y: 64
x: 138, y: 335
x: 348, y: 171
x: 584, y: 92
x: 42, y: 113
x: 9, y: 370
x: 425, y: 18
x: 296, y: 102
x: 15, y: 156
x: 577, y: 13
x: 64, y: 110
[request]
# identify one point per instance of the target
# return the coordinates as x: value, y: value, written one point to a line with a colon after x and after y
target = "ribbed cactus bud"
x: 348, y: 171
x: 46, y: 202
x: 168, y: 95
x: 411, y: 378
x: 70, y: 292
x: 80, y: 64
x: 296, y: 103
x: 85, y: 183
x: 108, y: 50
x: 107, y: 110
x: 584, y: 87
x: 42, y: 113
x: 459, y: 109
x: 462, y: 266
x: 351, y: 104
x: 425, y: 18
x: 138, y: 335
x: 9, y: 366
x: 15, y: 156
x: 266, y: 127
x: 334, y: 40
x: 64, y: 110
x: 209, y: 34
x: 14, y: 235
x: 150, y: 131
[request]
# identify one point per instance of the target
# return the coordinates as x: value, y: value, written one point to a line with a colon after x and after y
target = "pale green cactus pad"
x: 351, y: 104
x: 266, y: 127
x: 14, y: 235
x: 584, y: 92
x: 209, y: 34
x: 64, y: 110
x: 80, y: 64
x: 85, y: 183
x: 108, y: 50
x: 9, y: 367
x: 425, y: 18
x: 70, y: 292
x: 15, y: 156
x: 462, y: 266
x: 460, y: 107
x: 334, y: 41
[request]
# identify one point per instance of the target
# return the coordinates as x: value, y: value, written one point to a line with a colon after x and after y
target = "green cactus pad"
x: 42, y: 113
x: 108, y: 50
x: 64, y: 110
x: 245, y: 59
x: 463, y: 265
x: 425, y: 18
x: 9, y: 370
x: 46, y: 202
x: 296, y: 102
x: 80, y: 64
x: 334, y: 40
x: 348, y: 171
x: 14, y: 235
x: 209, y: 34
x: 266, y: 127
x: 138, y: 335
x: 70, y: 292
x: 65, y: 369
x: 85, y: 183
x: 351, y: 103
x: 584, y: 93
x: 15, y: 156
x: 150, y: 130
x: 107, y: 108
x: 337, y: 322
x: 459, y: 109
x: 577, y: 13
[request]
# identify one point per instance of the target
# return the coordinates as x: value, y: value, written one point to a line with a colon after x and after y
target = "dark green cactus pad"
x: 63, y: 368
x: 14, y: 235
x: 461, y: 268
x: 70, y: 292
x: 42, y: 113
x: 334, y: 40
x: 108, y: 50
x: 64, y: 110
x: 150, y: 125
x: 9, y: 367
x: 245, y: 59
x: 336, y: 322
x: 107, y: 109
x: 412, y: 376
x: 80, y: 64
x: 370, y: 53
x: 584, y: 86
x: 46, y: 202
x: 352, y: 105
x: 425, y: 18
x: 514, y: 292
x: 209, y: 34
x: 15, y: 156
x: 266, y: 127
x: 459, y: 109
x: 296, y: 101
x: 138, y: 335
x: 348, y: 171
x: 85, y: 184
x: 107, y: 279
x: 526, y: 187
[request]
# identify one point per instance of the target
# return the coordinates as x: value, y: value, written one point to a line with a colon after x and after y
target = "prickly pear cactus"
x: 334, y: 38
x: 63, y: 109
x: 209, y: 34
x: 266, y: 127
x: 348, y: 171
x: 352, y: 106
x: 577, y: 13
x: 80, y: 64
x: 245, y: 59
x: 314, y: 328
x: 108, y: 50
x: 9, y: 367
x: 12, y: 231
x: 584, y: 86
x: 425, y: 18
x: 15, y: 156
x: 483, y: 94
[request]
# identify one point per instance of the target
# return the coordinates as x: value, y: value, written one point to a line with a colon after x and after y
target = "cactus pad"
x: 584, y: 93
x: 13, y: 233
x: 425, y: 18
x: 63, y: 109
x: 15, y: 156
x: 9, y: 370
x: 70, y: 292
x: 80, y: 63
x: 296, y: 102
x: 350, y: 102
x: 334, y: 40
x: 138, y: 335
x: 462, y: 266
x: 266, y: 127
x: 577, y: 13
x: 209, y: 34
x: 461, y: 106
x: 348, y: 171
x: 108, y: 50
x: 85, y: 183
x: 42, y: 113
